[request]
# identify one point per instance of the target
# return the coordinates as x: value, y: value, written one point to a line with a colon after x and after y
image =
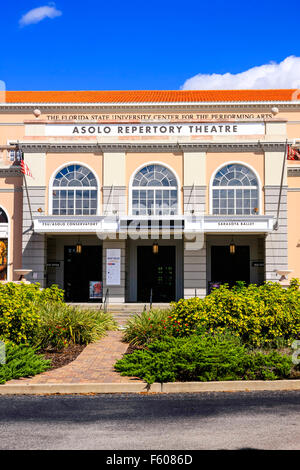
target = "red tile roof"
x: 148, y: 96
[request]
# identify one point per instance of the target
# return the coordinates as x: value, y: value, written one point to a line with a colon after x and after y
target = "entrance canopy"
x: 197, y: 224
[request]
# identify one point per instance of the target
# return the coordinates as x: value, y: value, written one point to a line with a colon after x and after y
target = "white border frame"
x: 237, y: 162
x: 50, y: 187
x: 179, y: 211
x: 9, y: 277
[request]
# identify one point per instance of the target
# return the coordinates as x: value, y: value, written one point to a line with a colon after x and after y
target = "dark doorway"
x: 230, y: 268
x: 156, y: 272
x: 83, y: 273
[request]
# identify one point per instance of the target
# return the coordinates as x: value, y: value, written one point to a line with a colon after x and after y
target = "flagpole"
x: 276, y: 224
x: 27, y: 192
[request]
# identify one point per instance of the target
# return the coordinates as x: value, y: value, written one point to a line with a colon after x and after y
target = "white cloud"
x: 286, y: 74
x: 38, y: 14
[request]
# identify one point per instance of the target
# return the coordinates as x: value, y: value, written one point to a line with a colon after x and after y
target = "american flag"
x: 293, y: 154
x: 25, y: 169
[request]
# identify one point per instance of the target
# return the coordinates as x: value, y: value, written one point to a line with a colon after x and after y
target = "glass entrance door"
x: 156, y: 272
x: 230, y: 268
x: 83, y: 274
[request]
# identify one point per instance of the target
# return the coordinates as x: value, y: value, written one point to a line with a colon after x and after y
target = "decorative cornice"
x: 77, y: 147
x: 10, y: 171
x: 71, y: 107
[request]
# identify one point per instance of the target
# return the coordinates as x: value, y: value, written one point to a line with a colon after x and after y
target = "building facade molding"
x: 82, y: 147
x: 10, y: 171
x: 180, y: 106
x: 293, y: 171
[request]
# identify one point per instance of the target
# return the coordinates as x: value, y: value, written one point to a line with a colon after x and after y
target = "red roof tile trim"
x: 148, y: 96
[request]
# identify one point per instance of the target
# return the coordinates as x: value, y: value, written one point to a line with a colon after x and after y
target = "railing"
x: 150, y: 301
x: 105, y: 300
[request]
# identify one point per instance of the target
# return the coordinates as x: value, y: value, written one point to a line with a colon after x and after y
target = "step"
x: 126, y: 308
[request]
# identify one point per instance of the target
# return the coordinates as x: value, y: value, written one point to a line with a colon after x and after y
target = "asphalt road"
x: 206, y: 421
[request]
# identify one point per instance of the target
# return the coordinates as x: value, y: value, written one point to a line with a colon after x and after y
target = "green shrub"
x: 19, y: 309
x: 61, y: 324
x: 50, y: 294
x: 18, y: 312
x: 260, y: 315
x: 203, y: 358
x: 21, y: 361
x: 143, y: 328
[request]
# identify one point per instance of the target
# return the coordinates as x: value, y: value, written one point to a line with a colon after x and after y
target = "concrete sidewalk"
x: 93, y: 372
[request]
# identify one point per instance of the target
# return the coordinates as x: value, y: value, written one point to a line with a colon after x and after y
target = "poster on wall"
x: 95, y: 290
x: 3, y: 260
x: 113, y: 267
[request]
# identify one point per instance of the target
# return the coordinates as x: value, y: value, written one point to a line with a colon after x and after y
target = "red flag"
x: 293, y: 154
x: 25, y: 169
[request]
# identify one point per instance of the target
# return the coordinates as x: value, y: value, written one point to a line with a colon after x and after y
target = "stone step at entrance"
x: 121, y: 308
x: 122, y: 312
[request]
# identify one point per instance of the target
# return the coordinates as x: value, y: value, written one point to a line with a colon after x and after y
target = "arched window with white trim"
x: 235, y: 191
x: 154, y: 191
x: 74, y: 191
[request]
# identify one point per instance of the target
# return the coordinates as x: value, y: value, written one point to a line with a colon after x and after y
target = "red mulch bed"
x: 62, y: 357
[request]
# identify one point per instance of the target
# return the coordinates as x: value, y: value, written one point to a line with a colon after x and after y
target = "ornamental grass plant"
x: 145, y: 327
x: 61, y: 324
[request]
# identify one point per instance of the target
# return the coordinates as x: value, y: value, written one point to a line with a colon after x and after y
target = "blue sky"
x: 111, y: 45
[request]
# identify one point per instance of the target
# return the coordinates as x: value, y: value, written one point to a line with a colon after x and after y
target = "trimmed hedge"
x: 203, y: 358
x: 22, y: 361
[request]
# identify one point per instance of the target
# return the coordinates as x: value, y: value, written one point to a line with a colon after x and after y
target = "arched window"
x: 3, y: 216
x: 235, y: 191
x: 154, y: 191
x: 74, y: 191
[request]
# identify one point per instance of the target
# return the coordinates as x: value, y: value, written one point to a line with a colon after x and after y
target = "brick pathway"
x: 93, y: 365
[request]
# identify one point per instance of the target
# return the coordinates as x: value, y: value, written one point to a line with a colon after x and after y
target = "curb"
x: 170, y: 387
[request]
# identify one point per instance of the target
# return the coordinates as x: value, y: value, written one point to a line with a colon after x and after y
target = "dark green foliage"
x: 203, y: 358
x: 21, y: 361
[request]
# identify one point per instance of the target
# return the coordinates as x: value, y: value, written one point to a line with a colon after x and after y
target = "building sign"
x: 258, y: 264
x: 53, y: 264
x: 163, y: 117
x: 113, y: 267
x: 159, y: 129
x: 255, y: 223
x: 60, y: 225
